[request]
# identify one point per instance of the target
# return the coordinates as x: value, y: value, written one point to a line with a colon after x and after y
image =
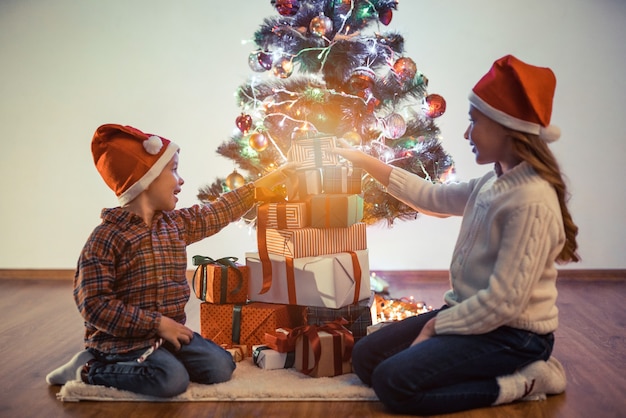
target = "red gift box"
x: 246, y: 324
x: 220, y: 281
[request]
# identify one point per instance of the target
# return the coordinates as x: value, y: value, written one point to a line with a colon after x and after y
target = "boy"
x: 130, y: 284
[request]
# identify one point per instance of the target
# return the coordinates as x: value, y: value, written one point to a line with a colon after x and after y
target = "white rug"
x: 249, y: 383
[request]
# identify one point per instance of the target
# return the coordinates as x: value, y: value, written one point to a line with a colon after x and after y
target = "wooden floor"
x: 40, y: 329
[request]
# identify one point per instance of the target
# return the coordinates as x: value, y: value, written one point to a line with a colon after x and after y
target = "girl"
x: 491, y: 341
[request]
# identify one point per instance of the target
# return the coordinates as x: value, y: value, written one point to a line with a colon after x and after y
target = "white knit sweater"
x: 503, y: 266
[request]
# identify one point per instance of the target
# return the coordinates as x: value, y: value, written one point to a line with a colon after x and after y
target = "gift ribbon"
x: 291, y: 281
x: 310, y: 335
x: 236, y: 330
x: 224, y: 263
x: 291, y: 278
x: 266, y: 196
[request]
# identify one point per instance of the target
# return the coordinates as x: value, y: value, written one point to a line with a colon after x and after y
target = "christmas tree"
x: 323, y: 68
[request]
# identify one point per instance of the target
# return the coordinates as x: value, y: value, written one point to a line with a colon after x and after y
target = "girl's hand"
x: 427, y: 332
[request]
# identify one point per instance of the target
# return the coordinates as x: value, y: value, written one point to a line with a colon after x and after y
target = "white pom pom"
x: 550, y: 133
x: 153, y: 145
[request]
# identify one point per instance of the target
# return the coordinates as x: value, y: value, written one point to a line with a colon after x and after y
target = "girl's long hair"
x: 535, y: 151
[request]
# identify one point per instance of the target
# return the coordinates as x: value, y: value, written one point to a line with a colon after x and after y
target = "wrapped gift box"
x: 332, y: 280
x: 309, y: 242
x: 234, y: 324
x: 269, y: 359
x: 379, y: 325
x: 303, y: 183
x: 341, y: 179
x: 286, y: 215
x: 359, y: 316
x: 334, y: 354
x: 313, y: 152
x: 335, y: 210
x: 239, y: 352
x: 279, y: 340
x: 220, y: 281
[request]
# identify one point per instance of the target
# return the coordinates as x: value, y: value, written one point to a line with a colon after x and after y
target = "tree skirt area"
x: 249, y: 383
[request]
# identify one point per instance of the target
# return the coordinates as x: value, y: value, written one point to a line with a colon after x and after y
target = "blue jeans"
x: 165, y: 372
x: 446, y: 373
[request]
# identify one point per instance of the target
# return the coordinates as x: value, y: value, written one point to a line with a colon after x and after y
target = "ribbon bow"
x: 202, y: 261
x: 334, y: 328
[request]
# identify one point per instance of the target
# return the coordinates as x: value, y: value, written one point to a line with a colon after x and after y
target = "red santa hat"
x: 129, y: 160
x: 518, y: 96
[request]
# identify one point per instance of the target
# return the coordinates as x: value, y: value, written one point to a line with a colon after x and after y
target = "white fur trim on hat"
x: 549, y: 133
x: 154, y: 171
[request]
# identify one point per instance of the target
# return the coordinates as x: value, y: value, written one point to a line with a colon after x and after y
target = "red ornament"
x: 361, y: 80
x: 244, y: 122
x: 342, y: 6
x: 254, y: 62
x: 286, y: 7
x: 385, y: 16
x: 265, y: 60
x: 405, y: 69
x: 434, y: 106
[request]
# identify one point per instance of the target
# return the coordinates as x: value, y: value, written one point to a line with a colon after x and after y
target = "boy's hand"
x: 276, y: 177
x: 175, y: 333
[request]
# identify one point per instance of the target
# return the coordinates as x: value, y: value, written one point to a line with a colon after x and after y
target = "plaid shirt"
x: 129, y: 274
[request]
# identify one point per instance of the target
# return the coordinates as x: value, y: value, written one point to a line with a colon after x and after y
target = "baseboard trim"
x: 420, y: 275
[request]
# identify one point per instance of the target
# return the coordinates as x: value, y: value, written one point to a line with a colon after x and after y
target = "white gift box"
x: 268, y: 359
x: 325, y: 281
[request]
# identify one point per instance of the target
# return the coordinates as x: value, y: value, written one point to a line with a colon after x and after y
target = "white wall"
x: 171, y: 68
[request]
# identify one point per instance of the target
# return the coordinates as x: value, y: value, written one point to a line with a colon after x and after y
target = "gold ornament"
x: 235, y: 180
x: 258, y: 141
x: 321, y: 25
x: 352, y: 137
x: 283, y: 67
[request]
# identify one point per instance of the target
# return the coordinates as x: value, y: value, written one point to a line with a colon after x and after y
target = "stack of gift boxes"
x: 307, y: 291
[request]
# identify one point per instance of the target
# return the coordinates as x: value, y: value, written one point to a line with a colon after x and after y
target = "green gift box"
x: 335, y: 210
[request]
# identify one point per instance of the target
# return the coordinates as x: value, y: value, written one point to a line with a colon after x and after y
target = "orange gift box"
x: 287, y: 215
x: 220, y: 281
x: 279, y: 340
x: 238, y: 352
x: 311, y: 242
x: 235, y: 324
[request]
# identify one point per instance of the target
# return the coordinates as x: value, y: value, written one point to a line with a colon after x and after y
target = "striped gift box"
x: 311, y: 242
x: 292, y: 214
x: 313, y: 152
